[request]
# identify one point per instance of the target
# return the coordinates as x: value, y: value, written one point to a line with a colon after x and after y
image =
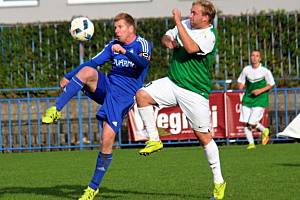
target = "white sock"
x: 212, y: 154
x: 249, y: 135
x: 147, y: 115
x: 260, y: 127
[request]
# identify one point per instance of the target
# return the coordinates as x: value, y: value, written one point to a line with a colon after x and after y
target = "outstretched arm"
x: 188, y: 43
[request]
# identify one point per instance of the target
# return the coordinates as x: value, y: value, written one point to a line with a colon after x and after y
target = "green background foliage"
x: 37, y: 55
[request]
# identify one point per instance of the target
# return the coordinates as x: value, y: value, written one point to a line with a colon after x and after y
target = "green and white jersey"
x: 256, y: 78
x: 192, y: 71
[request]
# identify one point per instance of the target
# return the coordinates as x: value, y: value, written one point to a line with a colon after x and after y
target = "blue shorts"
x: 115, y: 105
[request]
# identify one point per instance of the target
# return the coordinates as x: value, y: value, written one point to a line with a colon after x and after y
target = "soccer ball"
x: 82, y: 29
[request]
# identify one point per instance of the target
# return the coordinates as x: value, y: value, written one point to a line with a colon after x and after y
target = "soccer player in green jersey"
x: 188, y: 83
x: 258, y: 81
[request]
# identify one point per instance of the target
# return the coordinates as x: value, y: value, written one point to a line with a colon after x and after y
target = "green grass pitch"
x: 269, y: 172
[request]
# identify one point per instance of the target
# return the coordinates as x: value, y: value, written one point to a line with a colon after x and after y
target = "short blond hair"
x: 208, y: 8
x: 126, y: 17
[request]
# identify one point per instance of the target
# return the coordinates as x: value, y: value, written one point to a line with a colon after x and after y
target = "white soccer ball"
x: 82, y: 29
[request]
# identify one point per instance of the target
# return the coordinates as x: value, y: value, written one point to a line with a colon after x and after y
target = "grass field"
x: 268, y: 172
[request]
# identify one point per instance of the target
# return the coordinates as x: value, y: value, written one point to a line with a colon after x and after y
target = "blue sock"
x: 74, y: 86
x: 103, y: 162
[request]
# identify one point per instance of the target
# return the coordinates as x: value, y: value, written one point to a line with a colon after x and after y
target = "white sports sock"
x: 249, y: 135
x: 260, y: 127
x: 212, y: 154
x: 147, y: 115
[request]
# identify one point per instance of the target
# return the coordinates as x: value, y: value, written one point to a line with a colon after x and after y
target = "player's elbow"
x: 269, y: 87
x: 240, y: 86
x: 192, y: 49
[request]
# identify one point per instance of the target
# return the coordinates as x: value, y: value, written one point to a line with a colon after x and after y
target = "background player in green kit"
x: 258, y: 81
x: 188, y: 83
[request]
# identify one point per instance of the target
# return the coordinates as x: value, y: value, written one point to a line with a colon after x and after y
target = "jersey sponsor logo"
x: 123, y: 63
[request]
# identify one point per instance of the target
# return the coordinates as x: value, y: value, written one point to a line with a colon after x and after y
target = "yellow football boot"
x: 265, y: 136
x: 151, y: 147
x: 251, y: 146
x: 51, y: 116
x: 219, y: 191
x: 89, y: 194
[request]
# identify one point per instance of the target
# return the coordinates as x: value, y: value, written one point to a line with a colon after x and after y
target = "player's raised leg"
x: 86, y: 76
x: 53, y: 113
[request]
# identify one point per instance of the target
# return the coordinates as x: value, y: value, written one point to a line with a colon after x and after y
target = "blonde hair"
x: 208, y: 8
x: 127, y: 18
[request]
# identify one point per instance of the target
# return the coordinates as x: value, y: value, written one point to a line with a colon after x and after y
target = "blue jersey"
x: 125, y: 72
x: 117, y: 90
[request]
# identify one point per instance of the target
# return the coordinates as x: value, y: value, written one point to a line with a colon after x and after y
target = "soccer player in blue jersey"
x: 130, y: 55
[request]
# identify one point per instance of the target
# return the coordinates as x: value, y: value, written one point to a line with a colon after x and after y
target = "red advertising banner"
x: 235, y: 128
x: 173, y: 124
x: 218, y: 121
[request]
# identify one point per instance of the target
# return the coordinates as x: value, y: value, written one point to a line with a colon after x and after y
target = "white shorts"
x: 193, y: 105
x: 251, y: 115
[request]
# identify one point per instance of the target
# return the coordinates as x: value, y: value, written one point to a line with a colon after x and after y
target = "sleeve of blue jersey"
x: 139, y: 61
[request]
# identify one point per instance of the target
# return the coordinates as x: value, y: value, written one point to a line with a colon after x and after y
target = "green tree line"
x: 37, y: 55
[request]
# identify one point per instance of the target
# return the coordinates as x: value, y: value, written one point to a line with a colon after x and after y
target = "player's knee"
x: 87, y: 73
x: 204, y: 138
x: 106, y: 145
x: 142, y: 98
x: 251, y: 126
